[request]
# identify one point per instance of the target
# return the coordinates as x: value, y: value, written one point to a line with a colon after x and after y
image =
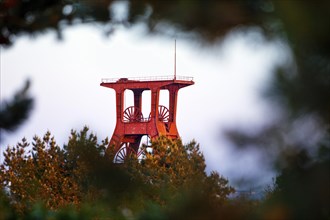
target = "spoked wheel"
x: 132, y: 114
x: 163, y: 113
x: 125, y: 152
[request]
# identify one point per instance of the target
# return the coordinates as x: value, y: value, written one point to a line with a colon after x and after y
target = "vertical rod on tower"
x: 174, y: 59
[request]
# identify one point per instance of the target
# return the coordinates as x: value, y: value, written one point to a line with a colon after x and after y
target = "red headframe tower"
x: 131, y: 124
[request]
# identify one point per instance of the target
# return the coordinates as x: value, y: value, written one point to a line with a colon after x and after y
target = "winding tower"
x: 131, y: 124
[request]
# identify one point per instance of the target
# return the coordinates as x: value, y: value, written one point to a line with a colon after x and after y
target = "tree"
x: 176, y: 168
x: 14, y: 112
x: 172, y: 170
x: 46, y: 173
x: 210, y: 19
x: 80, y: 173
x: 37, y: 175
x: 301, y: 189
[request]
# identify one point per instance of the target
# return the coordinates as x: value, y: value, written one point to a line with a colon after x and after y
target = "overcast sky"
x: 229, y: 78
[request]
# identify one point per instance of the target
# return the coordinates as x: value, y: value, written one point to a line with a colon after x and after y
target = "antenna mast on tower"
x: 174, y: 59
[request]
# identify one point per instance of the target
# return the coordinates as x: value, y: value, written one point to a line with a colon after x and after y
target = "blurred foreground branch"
x: 14, y: 112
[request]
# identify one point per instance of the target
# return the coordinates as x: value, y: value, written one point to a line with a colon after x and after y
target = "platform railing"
x: 147, y: 78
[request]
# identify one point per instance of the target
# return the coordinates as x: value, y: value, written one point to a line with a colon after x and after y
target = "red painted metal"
x: 131, y: 125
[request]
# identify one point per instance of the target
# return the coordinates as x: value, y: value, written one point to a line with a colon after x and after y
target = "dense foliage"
x: 80, y: 174
x: 80, y: 180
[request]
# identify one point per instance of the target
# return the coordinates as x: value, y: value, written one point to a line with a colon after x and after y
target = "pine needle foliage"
x: 79, y: 177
